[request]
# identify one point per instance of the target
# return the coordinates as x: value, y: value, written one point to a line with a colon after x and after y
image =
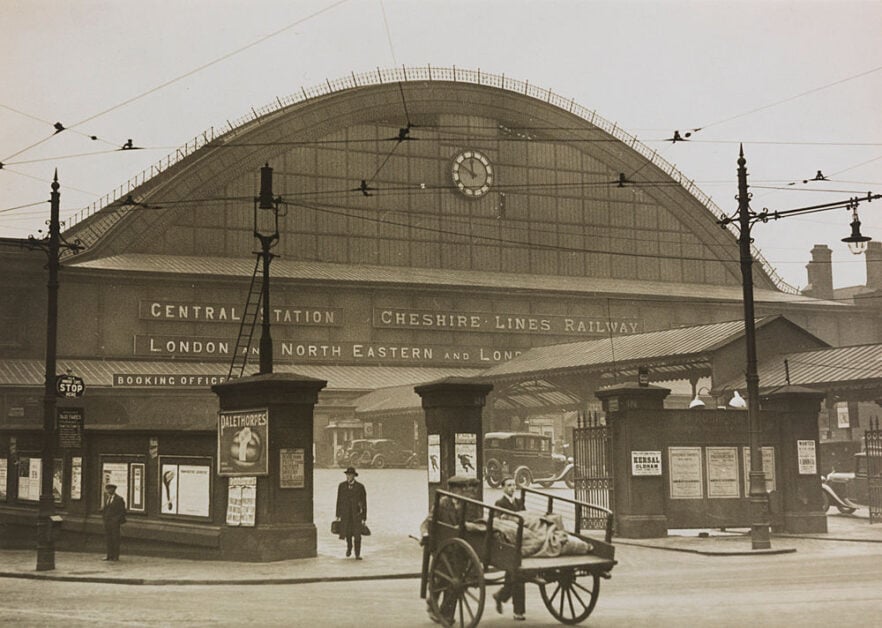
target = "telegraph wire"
x: 791, y: 98
x: 189, y: 73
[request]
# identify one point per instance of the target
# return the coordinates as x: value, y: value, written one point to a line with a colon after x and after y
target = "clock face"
x: 472, y: 173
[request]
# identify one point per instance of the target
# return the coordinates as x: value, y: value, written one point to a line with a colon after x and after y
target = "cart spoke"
x: 444, y: 576
x: 556, y: 591
x: 577, y: 596
x: 464, y: 602
x: 570, y: 602
x: 585, y: 589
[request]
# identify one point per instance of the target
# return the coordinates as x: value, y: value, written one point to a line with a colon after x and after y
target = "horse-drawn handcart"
x: 471, y: 544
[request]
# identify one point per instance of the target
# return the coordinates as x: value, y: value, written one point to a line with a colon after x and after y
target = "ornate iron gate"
x: 873, y: 446
x: 592, y: 457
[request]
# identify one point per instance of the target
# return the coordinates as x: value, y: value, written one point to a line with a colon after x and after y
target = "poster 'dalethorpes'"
x: 242, y: 442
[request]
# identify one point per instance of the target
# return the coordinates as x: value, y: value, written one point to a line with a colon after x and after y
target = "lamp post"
x: 52, y: 246
x: 266, y: 229
x: 759, y: 504
x: 760, y: 535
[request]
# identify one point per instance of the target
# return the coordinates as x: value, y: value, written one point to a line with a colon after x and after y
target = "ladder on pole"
x: 247, y: 324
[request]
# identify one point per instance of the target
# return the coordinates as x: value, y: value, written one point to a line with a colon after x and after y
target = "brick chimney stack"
x: 820, y: 272
x: 874, y: 265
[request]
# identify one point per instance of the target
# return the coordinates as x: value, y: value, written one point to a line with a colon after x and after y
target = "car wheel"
x: 413, y: 463
x: 494, y: 473
x: 523, y: 477
x: 378, y: 462
x: 569, y: 479
x: 546, y: 484
x: 354, y: 457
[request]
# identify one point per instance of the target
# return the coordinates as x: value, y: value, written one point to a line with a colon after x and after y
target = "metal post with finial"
x: 52, y: 246
x: 760, y: 534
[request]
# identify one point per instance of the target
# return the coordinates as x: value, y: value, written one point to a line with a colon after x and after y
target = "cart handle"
x: 579, y: 506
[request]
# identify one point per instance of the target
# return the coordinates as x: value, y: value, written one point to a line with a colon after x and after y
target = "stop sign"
x: 69, y: 386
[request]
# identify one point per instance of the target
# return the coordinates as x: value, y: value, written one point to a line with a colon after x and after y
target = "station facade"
x: 434, y: 223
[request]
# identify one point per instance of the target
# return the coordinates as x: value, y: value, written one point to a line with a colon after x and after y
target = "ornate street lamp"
x: 857, y: 243
x: 760, y: 534
x: 266, y: 229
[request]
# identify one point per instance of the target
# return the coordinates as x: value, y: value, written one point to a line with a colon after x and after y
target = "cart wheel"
x: 456, y: 584
x: 569, y: 479
x: 523, y: 477
x: 569, y: 600
x: 494, y: 473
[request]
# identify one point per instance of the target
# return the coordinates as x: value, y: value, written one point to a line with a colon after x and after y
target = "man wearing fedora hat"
x: 351, y: 511
x: 114, y: 515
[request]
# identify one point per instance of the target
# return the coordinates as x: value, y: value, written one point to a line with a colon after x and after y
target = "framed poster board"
x: 185, y: 486
x: 243, y: 442
x: 685, y: 477
x: 722, y: 472
x: 29, y: 474
x: 292, y: 468
x: 137, y: 492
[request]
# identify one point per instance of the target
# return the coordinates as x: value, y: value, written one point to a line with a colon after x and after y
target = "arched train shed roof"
x: 212, y: 183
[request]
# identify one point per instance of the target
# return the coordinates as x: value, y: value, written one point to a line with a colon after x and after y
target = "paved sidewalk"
x: 384, y: 558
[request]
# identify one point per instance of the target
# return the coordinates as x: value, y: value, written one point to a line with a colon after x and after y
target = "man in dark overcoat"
x: 510, y: 589
x: 351, y: 511
x: 114, y: 515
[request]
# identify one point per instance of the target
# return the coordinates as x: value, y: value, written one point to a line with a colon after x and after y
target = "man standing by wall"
x: 114, y: 514
x: 351, y: 511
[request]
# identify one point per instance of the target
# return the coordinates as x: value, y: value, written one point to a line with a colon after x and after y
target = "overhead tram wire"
x: 189, y: 73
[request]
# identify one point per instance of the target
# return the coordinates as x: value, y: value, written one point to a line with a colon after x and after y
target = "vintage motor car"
x: 379, y: 453
x: 526, y: 457
x: 847, y: 490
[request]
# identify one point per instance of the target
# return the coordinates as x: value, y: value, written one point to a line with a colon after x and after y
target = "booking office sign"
x: 243, y: 442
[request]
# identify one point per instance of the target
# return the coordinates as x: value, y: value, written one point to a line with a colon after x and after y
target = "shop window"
x: 30, y: 479
x: 127, y: 472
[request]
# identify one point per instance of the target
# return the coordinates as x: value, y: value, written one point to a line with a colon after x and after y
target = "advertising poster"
x: 168, y: 474
x: 70, y: 427
x: 768, y: 468
x: 684, y: 473
x: 291, y: 468
x: 194, y: 490
x: 4, y: 476
x: 24, y: 479
x: 249, y: 504
x: 76, y: 477
x: 722, y: 472
x: 434, y: 457
x: 807, y: 456
x: 136, y: 496
x: 114, y: 473
x: 242, y: 440
x: 646, y: 463
x: 466, y: 453
x: 234, y: 499
x: 842, y: 419
x: 57, y: 479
